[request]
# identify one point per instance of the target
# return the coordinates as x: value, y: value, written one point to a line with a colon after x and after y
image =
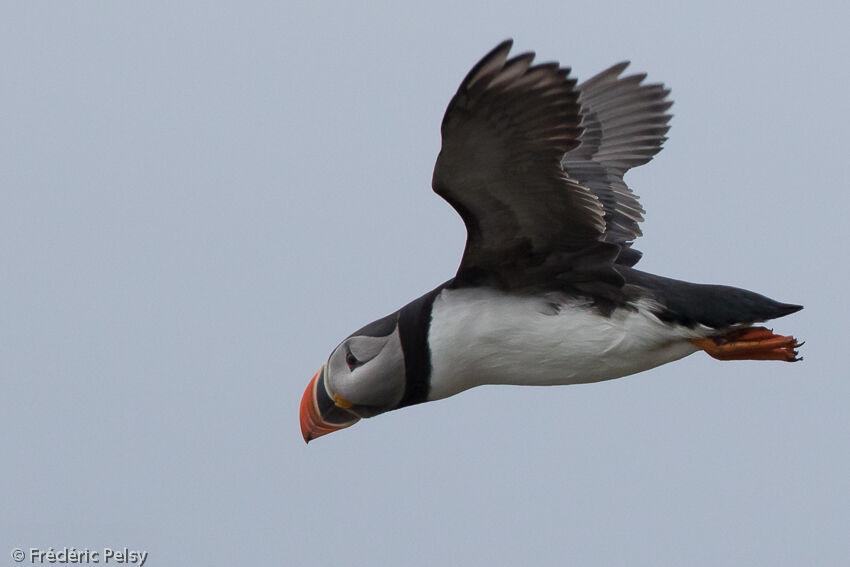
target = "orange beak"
x: 320, y: 413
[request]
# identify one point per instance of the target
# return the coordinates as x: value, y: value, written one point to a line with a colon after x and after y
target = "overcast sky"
x: 198, y: 201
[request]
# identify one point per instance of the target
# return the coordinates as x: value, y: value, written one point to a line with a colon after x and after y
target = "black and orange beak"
x: 322, y: 412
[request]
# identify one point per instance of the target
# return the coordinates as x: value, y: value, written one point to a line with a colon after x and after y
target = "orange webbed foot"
x: 752, y: 343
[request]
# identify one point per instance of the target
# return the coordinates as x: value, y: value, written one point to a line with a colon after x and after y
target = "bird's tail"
x: 720, y: 307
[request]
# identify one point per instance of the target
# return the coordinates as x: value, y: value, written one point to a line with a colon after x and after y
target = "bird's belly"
x: 484, y: 336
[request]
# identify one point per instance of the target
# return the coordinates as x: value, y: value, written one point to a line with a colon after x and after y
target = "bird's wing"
x: 506, y: 134
x: 624, y: 125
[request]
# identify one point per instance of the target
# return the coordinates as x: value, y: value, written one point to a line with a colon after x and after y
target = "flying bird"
x: 546, y: 292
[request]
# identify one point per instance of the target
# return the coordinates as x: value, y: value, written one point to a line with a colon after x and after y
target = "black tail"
x: 715, y: 306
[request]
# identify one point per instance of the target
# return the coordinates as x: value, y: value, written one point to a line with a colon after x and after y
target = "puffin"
x: 546, y: 292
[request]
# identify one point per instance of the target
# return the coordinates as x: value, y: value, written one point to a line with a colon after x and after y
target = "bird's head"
x: 363, y: 377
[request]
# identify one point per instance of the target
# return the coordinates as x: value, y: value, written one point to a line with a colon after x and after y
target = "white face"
x: 368, y: 372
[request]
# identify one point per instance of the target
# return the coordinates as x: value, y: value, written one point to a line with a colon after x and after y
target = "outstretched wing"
x: 534, y: 167
x: 504, y: 134
x: 625, y: 123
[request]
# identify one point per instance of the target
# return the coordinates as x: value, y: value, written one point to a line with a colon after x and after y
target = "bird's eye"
x: 351, y: 361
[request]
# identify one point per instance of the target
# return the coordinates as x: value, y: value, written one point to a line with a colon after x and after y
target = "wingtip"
x: 501, y: 51
x: 488, y: 65
x: 610, y: 74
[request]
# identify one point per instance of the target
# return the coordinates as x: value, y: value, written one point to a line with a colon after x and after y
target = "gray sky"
x: 199, y: 201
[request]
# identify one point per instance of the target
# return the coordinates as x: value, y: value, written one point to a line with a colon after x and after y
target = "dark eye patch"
x: 352, y: 361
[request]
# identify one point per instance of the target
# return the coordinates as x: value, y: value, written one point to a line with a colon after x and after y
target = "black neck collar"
x: 414, y: 322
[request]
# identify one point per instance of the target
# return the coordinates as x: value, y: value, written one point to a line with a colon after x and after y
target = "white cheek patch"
x: 379, y: 380
x: 366, y: 348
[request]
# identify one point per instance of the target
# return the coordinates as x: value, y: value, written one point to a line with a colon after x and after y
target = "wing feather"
x: 534, y: 165
x: 504, y: 134
x: 625, y: 124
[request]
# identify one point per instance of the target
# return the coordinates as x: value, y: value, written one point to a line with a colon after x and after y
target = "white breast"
x: 485, y: 336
